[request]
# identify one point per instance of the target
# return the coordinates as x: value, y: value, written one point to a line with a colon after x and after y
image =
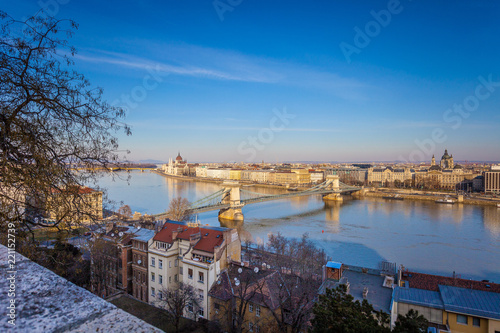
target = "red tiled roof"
x: 431, y: 282
x: 207, y: 242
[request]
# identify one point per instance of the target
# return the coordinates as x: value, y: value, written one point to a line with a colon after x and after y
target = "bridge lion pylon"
x: 335, y: 186
x: 233, y: 213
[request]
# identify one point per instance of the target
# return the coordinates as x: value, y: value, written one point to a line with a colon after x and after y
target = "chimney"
x: 193, y: 238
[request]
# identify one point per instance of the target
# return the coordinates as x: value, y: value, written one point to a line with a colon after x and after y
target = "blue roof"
x: 333, y: 264
x: 143, y: 235
x: 420, y: 297
x: 471, y: 302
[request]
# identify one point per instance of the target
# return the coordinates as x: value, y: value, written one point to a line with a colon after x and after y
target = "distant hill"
x: 151, y: 161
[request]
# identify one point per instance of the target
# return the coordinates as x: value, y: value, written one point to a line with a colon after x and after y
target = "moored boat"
x: 445, y: 201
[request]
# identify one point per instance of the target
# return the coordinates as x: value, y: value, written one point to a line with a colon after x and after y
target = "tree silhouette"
x: 51, y: 121
x: 412, y: 322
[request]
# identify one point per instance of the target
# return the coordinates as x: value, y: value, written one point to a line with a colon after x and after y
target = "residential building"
x: 316, y: 176
x: 492, y: 180
x: 303, y: 176
x: 201, y: 171
x: 259, y: 176
x: 218, y: 173
x: 118, y: 275
x: 450, y: 304
x: 75, y: 204
x: 140, y: 263
x: 373, y: 285
x: 192, y: 254
x: 284, y: 177
x: 256, y: 288
x: 235, y: 174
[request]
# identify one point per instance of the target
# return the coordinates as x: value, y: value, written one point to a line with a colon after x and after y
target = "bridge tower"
x: 335, y: 186
x: 233, y: 213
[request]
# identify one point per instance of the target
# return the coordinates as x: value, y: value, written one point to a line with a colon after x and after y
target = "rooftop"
x: 432, y: 282
x: 210, y: 236
x: 45, y: 302
x: 471, y: 302
x: 378, y: 295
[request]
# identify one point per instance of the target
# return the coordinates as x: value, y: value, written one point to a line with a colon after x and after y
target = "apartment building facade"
x: 192, y: 254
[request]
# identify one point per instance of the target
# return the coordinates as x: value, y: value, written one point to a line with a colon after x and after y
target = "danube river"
x: 424, y: 236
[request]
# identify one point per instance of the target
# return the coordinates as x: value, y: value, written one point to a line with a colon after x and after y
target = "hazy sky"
x: 242, y: 80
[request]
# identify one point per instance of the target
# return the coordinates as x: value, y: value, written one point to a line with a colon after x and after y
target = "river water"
x: 424, y: 236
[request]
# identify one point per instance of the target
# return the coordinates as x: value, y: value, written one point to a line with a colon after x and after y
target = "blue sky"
x: 232, y: 80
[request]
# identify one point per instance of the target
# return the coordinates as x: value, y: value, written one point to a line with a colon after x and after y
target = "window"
x: 201, y: 312
x: 160, y: 263
x: 476, y: 321
x: 201, y: 278
x: 257, y: 328
x: 160, y: 295
x: 176, y: 262
x: 152, y: 276
x: 160, y: 279
x: 176, y: 278
x: 181, y: 271
x: 152, y: 292
x: 250, y: 327
x: 170, y: 264
x: 200, y: 294
x: 190, y: 307
x: 257, y: 311
x: 461, y: 319
x: 250, y: 307
x: 190, y: 273
x: 169, y: 279
x: 153, y: 261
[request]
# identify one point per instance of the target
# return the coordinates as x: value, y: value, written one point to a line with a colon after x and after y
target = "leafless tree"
x: 51, y: 121
x: 178, y: 210
x: 176, y: 301
x: 299, y: 263
x: 125, y: 212
x: 103, y: 265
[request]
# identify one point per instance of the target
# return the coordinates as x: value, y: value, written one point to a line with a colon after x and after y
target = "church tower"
x: 433, y: 162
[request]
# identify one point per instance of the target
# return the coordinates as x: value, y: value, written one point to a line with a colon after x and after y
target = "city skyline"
x: 252, y: 81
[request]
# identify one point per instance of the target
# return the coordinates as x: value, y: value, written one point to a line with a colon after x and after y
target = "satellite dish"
x: 139, y: 261
x: 256, y: 269
x: 240, y: 270
x: 237, y: 283
x: 112, y: 235
x: 218, y: 282
x: 120, y: 234
x: 263, y: 264
x: 139, y: 227
x: 268, y: 266
x: 235, y: 279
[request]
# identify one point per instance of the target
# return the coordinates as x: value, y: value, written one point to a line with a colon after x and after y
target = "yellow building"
x: 284, y: 177
x: 303, y: 176
x: 235, y: 174
x: 450, y: 304
x: 76, y: 204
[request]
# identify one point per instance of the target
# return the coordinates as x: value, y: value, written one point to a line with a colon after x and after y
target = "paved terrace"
x: 45, y: 302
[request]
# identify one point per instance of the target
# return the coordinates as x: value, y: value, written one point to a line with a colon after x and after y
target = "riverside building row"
x: 148, y: 262
x: 444, y: 174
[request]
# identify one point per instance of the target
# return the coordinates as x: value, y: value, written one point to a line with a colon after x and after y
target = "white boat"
x: 445, y: 201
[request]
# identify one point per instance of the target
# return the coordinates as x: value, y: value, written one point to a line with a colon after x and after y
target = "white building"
x: 218, y: 173
x: 189, y: 253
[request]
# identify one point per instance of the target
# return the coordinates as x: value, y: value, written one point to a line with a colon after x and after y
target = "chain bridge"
x: 232, y: 197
